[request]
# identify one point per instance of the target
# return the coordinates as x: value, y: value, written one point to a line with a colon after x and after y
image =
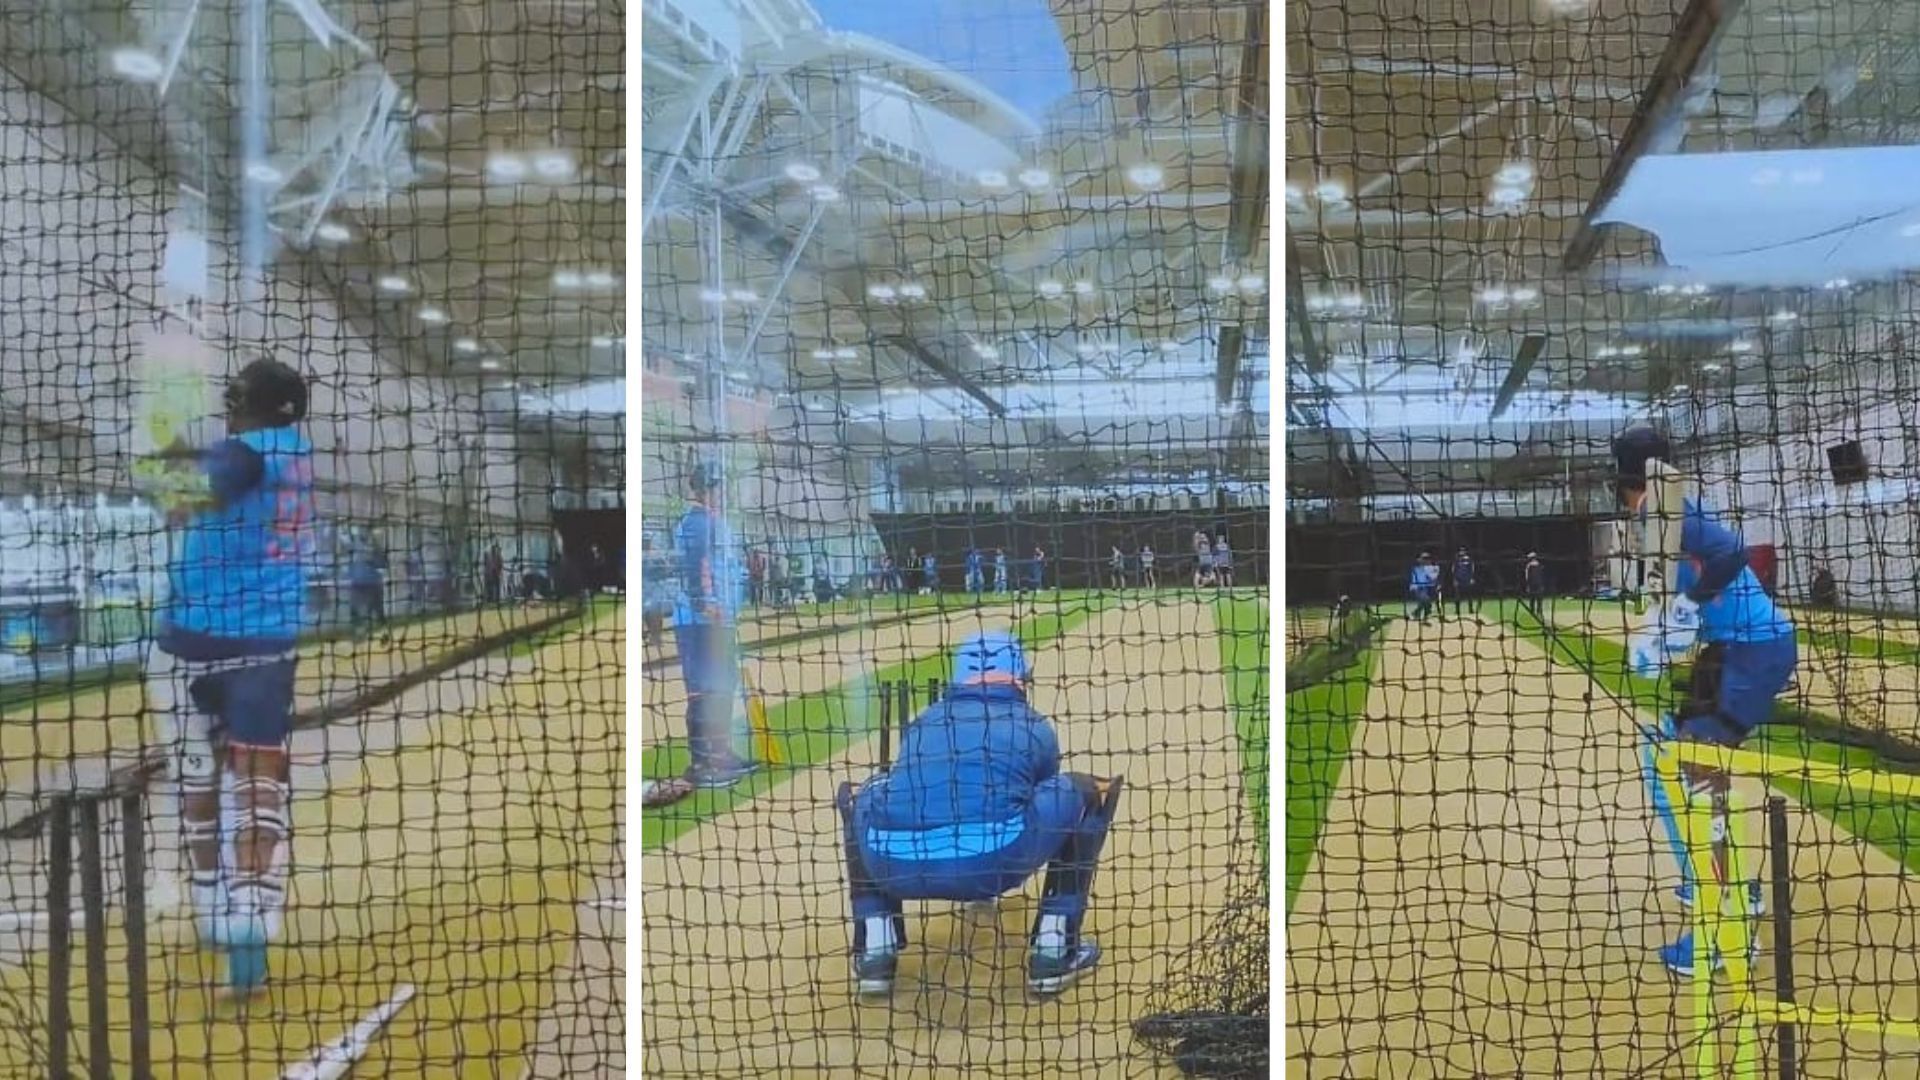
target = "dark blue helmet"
x: 703, y: 475
x: 1633, y: 448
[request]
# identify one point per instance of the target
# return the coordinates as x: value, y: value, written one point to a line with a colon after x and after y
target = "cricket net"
x: 311, y: 458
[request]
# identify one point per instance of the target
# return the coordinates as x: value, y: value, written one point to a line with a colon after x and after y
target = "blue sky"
x: 1012, y: 47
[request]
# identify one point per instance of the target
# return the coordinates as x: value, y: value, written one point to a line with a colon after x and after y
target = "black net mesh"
x: 953, y: 325
x: 384, y: 630
x: 1518, y: 230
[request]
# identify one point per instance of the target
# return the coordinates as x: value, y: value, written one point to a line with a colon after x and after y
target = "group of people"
x: 1427, y: 588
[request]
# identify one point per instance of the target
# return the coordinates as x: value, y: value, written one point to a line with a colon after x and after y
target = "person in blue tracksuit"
x: 221, y: 676
x: 711, y: 588
x: 1747, y: 658
x: 974, y: 804
x: 1422, y: 585
x: 1465, y: 588
x: 976, y: 578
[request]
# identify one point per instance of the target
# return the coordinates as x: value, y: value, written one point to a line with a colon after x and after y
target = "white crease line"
x: 614, y: 903
x: 333, y: 1060
x: 21, y: 920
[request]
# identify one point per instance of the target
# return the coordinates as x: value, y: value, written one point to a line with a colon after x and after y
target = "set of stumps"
x: 81, y: 820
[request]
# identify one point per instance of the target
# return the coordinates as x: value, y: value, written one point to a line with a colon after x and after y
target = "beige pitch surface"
x: 461, y: 840
x: 747, y: 969
x: 1491, y: 885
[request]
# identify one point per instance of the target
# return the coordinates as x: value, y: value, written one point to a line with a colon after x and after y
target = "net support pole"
x: 1788, y: 1032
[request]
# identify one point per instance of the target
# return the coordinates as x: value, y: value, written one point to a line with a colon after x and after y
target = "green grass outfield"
x: 1320, y: 718
x: 1887, y: 822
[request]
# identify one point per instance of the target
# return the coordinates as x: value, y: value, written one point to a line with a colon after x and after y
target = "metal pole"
x: 59, y: 937
x: 134, y: 884
x: 780, y: 284
x: 93, y: 899
x: 663, y: 178
x: 1788, y: 1049
x: 254, y: 102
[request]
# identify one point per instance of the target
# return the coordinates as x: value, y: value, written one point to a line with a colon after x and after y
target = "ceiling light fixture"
x: 1494, y: 294
x: 394, y: 283
x: 1296, y: 197
x: 1083, y: 288
x: 1741, y: 346
x: 1710, y: 368
x: 990, y: 178
x: 264, y: 172
x: 802, y: 173
x: 743, y: 296
x: 466, y: 345
x: 1784, y: 316
x: 1514, y: 174
x: 505, y: 168
x: 1252, y: 284
x: 1632, y: 350
x: 1051, y: 288
x: 567, y: 279
x: 332, y: 232
x: 1525, y: 294
x: 713, y: 296
x: 1220, y: 283
x: 913, y: 290
x: 1353, y: 302
x: 1330, y: 191
x: 553, y: 166
x: 489, y: 365
x: 824, y: 192
x: 844, y: 352
x: 604, y: 279
x: 823, y: 354
x: 881, y: 292
x: 137, y: 64
x: 432, y: 315
x: 1507, y: 197
x: 602, y: 341
x: 1607, y: 352
x: 1146, y: 175
x: 1035, y: 178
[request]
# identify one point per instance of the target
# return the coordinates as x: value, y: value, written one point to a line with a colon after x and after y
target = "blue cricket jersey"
x: 967, y: 766
x: 238, y: 583
x: 1734, y: 607
x: 1423, y: 580
x: 710, y: 587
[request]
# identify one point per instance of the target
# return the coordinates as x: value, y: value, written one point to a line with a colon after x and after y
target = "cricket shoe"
x: 1678, y: 956
x: 723, y: 777
x: 1050, y: 971
x: 873, y: 972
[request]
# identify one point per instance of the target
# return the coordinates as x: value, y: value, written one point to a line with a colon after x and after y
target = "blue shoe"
x: 1678, y: 956
x: 1050, y: 971
x: 244, y: 938
x: 1684, y: 894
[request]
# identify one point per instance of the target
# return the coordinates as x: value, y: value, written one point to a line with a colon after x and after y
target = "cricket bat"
x: 1659, y: 528
x: 172, y: 395
x: 766, y: 748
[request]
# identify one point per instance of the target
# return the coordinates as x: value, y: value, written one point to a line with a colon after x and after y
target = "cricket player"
x: 929, y: 574
x: 1464, y: 586
x: 976, y: 576
x: 1148, y: 578
x: 220, y: 677
x: 1000, y: 570
x: 1748, y: 658
x: 1422, y: 583
x: 704, y: 617
x: 1202, y: 560
x: 1222, y: 563
x: 976, y: 803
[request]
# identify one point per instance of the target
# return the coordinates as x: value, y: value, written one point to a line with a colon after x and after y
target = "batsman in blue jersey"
x: 220, y: 679
x: 1746, y: 659
x: 704, y: 631
x: 973, y: 806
